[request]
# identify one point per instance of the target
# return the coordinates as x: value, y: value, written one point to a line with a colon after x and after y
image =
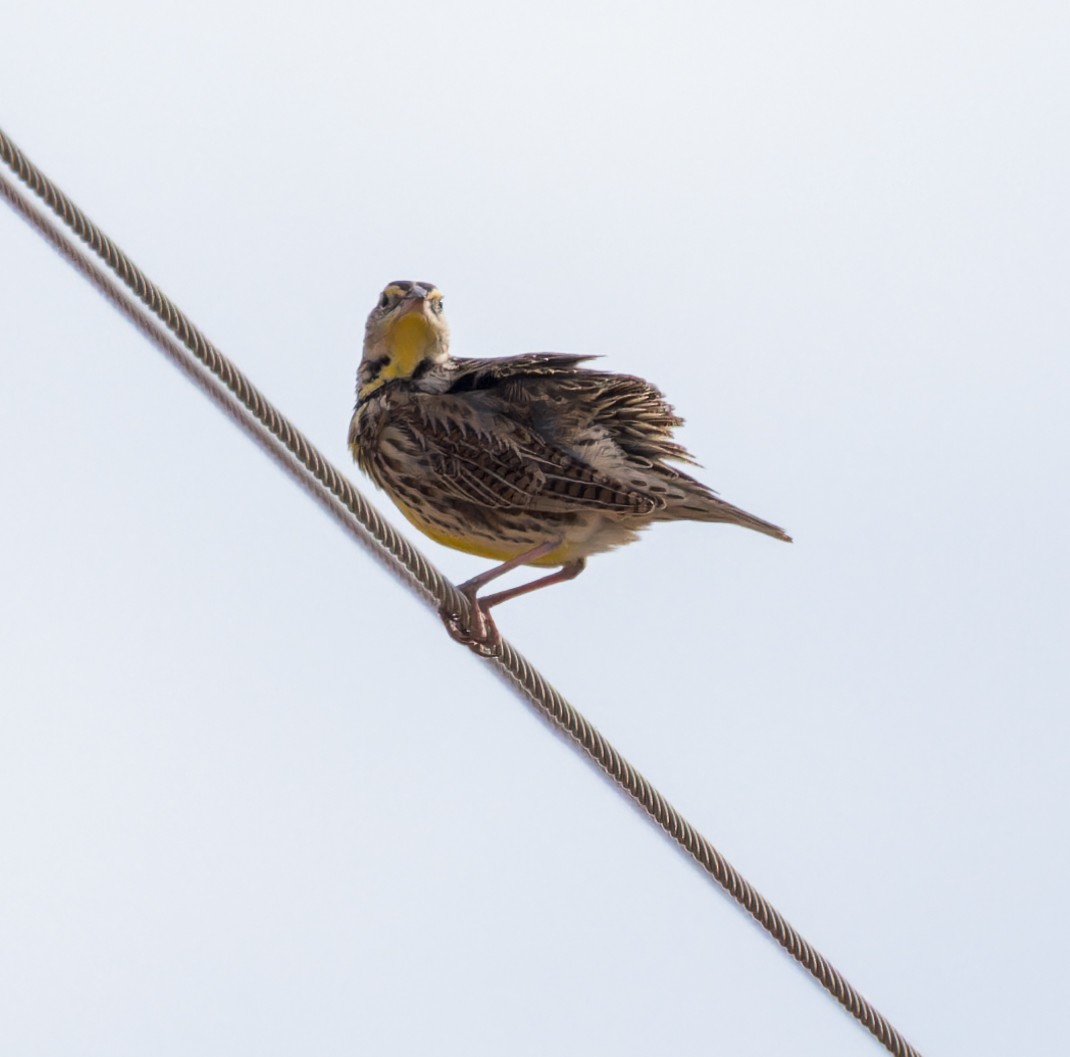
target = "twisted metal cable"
x: 284, y: 442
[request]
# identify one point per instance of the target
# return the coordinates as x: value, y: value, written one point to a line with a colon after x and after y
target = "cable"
x: 214, y: 373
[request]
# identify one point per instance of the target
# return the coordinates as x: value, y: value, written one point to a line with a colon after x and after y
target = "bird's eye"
x: 436, y: 306
x: 384, y: 301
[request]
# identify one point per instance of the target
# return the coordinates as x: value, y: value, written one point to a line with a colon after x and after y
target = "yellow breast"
x: 502, y: 551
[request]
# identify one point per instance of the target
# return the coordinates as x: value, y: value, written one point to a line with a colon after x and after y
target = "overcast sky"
x: 254, y: 800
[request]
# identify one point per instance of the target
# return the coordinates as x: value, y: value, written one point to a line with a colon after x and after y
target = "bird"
x: 531, y: 459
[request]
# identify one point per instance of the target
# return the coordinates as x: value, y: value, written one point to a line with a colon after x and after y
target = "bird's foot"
x: 478, y: 632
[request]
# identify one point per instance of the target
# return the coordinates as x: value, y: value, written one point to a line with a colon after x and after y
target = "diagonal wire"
x: 225, y: 384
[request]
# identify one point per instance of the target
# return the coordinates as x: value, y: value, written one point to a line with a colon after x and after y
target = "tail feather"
x: 710, y: 508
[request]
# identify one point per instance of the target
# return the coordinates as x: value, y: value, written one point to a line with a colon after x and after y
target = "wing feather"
x: 500, y: 462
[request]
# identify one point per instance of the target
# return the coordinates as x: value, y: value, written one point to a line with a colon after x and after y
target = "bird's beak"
x: 412, y: 302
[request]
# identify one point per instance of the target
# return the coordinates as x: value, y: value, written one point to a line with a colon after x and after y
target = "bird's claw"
x: 480, y: 636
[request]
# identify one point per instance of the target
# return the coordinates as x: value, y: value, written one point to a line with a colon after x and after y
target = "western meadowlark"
x: 529, y: 460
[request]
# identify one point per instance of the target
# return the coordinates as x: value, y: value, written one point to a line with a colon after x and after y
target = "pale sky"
x: 254, y: 801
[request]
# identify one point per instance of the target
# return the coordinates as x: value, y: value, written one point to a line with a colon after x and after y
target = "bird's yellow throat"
x: 409, y: 342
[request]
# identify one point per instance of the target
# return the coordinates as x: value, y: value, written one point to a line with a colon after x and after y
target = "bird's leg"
x: 470, y: 587
x: 482, y: 636
x: 568, y: 571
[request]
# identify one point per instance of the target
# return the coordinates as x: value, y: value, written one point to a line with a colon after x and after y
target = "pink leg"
x: 568, y: 571
x: 473, y: 585
x: 483, y: 636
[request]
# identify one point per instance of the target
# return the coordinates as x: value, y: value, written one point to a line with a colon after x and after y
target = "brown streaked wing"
x: 470, y: 374
x: 634, y: 412
x: 509, y: 465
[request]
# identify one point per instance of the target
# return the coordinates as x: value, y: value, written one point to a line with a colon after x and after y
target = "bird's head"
x: 406, y: 333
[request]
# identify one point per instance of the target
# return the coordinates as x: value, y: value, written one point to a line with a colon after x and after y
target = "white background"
x: 254, y: 801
